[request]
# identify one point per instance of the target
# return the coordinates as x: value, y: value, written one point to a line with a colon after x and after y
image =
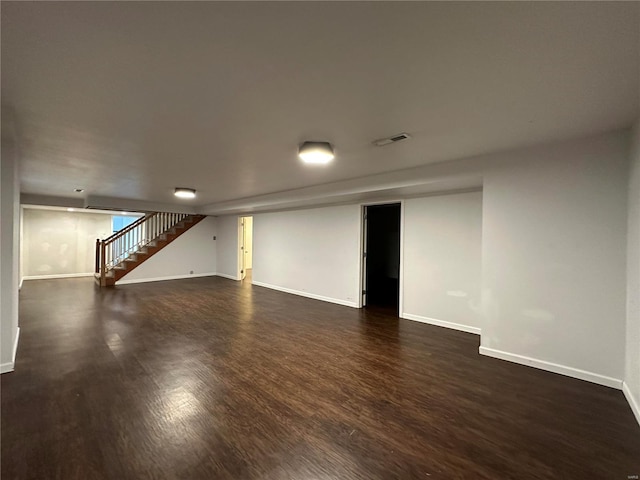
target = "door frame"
x: 240, y: 274
x: 362, y: 265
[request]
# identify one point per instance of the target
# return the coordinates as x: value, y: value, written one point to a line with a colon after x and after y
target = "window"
x: 118, y: 222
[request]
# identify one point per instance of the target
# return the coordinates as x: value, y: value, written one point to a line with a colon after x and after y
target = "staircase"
x: 125, y: 250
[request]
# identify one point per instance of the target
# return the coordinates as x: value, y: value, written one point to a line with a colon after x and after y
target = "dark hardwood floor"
x: 214, y: 379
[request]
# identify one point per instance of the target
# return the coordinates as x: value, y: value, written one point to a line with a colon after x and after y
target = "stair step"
x: 166, y: 235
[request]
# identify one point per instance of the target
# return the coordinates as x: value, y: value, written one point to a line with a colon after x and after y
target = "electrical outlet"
x: 214, y: 237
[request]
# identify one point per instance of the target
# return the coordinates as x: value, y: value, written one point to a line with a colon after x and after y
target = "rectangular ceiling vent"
x: 395, y: 138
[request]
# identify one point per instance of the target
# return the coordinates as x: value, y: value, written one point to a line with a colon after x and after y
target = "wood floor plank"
x: 213, y: 379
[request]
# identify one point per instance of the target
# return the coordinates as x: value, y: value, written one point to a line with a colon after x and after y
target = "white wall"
x: 554, y: 243
x: 442, y: 260
x: 313, y: 252
x: 193, y: 251
x: 9, y: 255
x: 58, y: 243
x: 632, y: 363
x: 228, y: 260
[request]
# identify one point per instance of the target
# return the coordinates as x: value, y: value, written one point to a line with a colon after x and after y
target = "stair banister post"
x: 97, y: 255
x: 103, y: 264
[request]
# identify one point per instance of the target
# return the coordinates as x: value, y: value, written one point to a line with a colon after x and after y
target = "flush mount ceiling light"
x: 317, y: 153
x: 185, y: 192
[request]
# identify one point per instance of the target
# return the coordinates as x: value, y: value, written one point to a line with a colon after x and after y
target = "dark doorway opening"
x: 382, y: 256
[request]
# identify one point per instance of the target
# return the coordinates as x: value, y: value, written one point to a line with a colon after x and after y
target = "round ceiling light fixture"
x: 316, y: 153
x: 185, y: 192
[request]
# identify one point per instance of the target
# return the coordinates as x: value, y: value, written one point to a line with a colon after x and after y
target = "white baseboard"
x: 7, y: 367
x: 553, y: 367
x: 10, y: 366
x: 230, y: 277
x: 634, y: 403
x: 162, y: 279
x: 59, y: 275
x: 441, y: 323
x: 307, y: 294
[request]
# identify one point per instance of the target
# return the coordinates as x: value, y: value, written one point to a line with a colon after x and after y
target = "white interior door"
x: 243, y: 237
x: 248, y: 243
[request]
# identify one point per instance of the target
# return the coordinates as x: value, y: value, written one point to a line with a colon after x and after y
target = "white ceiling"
x: 129, y: 100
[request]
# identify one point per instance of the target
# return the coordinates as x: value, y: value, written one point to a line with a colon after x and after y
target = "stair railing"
x: 121, y: 245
